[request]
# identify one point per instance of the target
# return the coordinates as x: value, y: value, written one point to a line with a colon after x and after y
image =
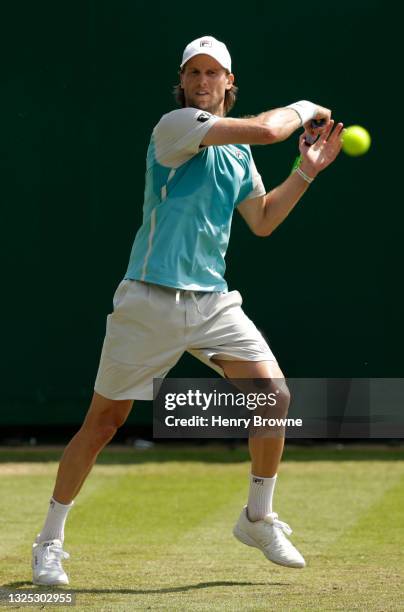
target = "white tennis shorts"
x: 152, y: 326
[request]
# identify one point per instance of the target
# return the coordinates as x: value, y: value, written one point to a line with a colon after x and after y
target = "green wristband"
x: 296, y: 163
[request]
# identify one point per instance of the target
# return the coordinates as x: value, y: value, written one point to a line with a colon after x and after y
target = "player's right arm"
x: 268, y: 127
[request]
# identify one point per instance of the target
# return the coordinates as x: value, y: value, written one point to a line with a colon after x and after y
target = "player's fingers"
x: 305, y: 138
x: 324, y: 127
x: 337, y: 132
x: 334, y: 143
x: 323, y: 138
x: 327, y: 131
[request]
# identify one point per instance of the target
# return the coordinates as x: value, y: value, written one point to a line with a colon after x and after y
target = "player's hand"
x: 324, y: 115
x: 323, y: 152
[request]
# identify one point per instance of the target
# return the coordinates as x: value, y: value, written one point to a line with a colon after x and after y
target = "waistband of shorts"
x: 176, y: 290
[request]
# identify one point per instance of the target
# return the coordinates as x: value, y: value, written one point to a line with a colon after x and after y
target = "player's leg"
x: 103, y: 419
x: 130, y: 359
x: 265, y: 452
x: 258, y: 525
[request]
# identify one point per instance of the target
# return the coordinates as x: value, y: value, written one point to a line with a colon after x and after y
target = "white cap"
x: 208, y: 45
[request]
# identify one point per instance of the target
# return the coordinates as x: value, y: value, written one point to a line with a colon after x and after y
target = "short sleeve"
x: 178, y: 135
x: 258, y: 186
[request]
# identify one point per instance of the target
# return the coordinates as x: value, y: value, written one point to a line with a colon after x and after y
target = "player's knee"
x: 104, y: 418
x: 278, y: 402
x: 283, y: 401
x: 117, y: 419
x: 99, y: 436
x: 103, y: 430
x: 109, y: 424
x: 278, y: 395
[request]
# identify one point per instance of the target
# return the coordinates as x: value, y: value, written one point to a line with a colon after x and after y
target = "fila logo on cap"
x: 207, y: 45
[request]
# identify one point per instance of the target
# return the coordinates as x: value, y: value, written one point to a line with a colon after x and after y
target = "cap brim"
x: 202, y: 53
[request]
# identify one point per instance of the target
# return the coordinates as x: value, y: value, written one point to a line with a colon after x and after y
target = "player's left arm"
x: 264, y: 213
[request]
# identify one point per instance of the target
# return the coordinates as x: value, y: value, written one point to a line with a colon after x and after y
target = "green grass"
x: 153, y: 532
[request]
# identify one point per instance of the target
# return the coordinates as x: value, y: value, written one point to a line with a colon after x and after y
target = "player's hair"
x: 230, y: 96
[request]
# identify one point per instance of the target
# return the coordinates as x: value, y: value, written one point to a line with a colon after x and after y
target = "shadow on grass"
x: 179, y: 589
x: 214, y: 453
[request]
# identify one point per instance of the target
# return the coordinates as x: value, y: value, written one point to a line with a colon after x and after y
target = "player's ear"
x: 230, y: 80
x: 181, y: 73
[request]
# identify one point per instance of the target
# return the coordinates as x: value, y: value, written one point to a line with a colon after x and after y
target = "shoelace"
x: 54, y: 556
x: 272, y: 519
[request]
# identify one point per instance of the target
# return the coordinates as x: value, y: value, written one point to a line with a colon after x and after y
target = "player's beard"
x: 212, y: 107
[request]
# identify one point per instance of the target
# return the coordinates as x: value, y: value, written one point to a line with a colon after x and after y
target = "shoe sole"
x: 245, y: 539
x: 39, y: 583
x: 55, y: 583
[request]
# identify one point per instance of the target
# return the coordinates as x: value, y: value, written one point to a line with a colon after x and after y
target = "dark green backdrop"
x: 82, y: 85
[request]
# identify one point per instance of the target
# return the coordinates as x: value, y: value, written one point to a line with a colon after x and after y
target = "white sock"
x: 54, y: 527
x: 260, y: 497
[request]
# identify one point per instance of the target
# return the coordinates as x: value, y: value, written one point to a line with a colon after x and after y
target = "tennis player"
x: 174, y: 298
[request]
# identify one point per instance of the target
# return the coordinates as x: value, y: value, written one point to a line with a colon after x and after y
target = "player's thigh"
x: 107, y: 412
x: 259, y: 377
x: 250, y: 369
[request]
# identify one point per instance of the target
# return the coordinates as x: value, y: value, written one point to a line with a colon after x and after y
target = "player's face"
x: 205, y: 82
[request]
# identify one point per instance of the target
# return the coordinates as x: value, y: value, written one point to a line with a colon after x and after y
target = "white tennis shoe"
x: 269, y: 536
x: 47, y: 563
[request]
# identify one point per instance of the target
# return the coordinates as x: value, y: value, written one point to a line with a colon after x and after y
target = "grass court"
x: 151, y: 530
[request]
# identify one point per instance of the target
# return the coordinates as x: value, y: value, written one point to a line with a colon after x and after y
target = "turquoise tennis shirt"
x: 190, y: 195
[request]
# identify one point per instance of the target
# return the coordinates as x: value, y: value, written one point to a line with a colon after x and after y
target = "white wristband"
x: 304, y: 176
x: 305, y: 109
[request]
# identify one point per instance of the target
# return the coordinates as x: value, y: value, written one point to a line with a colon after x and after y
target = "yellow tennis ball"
x: 355, y: 140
